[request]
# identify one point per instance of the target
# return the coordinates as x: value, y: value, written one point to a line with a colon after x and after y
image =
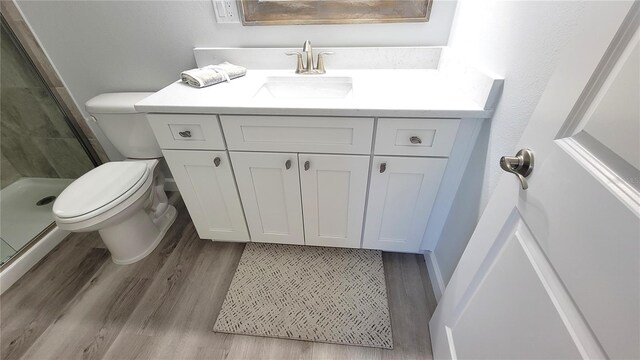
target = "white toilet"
x: 124, y: 200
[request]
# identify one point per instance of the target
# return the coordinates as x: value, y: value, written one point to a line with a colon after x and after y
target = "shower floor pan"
x: 26, y: 208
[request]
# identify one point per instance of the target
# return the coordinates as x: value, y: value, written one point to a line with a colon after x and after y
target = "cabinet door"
x: 270, y: 191
x: 333, y: 197
x: 210, y: 193
x: 401, y: 196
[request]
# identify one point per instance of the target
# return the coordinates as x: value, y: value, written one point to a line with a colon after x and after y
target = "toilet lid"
x: 101, y: 187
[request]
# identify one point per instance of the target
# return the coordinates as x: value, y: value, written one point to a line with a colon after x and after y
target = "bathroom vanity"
x: 352, y: 158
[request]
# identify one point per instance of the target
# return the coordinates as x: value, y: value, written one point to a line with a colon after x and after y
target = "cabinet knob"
x: 185, y: 134
x: 383, y: 167
x: 287, y: 164
x: 307, y: 165
x: 415, y: 140
x: 216, y: 161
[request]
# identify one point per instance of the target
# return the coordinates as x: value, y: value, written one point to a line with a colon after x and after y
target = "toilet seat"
x: 103, y: 189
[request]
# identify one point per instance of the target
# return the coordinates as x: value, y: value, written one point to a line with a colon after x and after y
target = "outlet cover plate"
x: 226, y: 11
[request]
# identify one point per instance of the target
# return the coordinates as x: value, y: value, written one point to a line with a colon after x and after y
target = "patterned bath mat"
x: 309, y: 293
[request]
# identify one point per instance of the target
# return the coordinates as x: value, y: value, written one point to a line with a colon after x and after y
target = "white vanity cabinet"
x: 309, y: 180
x: 421, y: 119
x: 206, y: 183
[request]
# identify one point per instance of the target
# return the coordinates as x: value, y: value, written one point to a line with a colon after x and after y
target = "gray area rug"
x: 309, y: 293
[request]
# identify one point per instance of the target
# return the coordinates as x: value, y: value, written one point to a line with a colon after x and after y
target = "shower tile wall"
x: 35, y: 140
x: 20, y: 28
x: 8, y: 174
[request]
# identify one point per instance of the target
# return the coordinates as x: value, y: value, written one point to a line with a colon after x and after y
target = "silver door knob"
x: 520, y: 165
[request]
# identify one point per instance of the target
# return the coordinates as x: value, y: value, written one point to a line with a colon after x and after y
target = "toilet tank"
x: 127, y: 129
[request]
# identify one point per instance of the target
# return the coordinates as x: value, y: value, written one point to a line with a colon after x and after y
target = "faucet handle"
x: 320, y: 64
x: 299, y: 66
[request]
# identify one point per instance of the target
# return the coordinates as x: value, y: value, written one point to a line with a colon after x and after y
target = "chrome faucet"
x: 308, y: 68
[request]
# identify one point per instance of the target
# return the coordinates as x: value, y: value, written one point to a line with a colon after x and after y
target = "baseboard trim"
x: 170, y: 185
x: 434, y: 274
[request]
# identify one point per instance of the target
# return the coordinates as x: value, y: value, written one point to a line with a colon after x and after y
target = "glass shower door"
x: 40, y: 151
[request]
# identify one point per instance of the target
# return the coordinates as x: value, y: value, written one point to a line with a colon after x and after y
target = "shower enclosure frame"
x: 74, y: 127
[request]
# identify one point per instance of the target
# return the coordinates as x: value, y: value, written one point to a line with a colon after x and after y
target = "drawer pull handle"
x: 415, y: 140
x: 216, y: 161
x: 287, y: 164
x: 185, y: 134
x: 383, y: 167
x: 307, y: 165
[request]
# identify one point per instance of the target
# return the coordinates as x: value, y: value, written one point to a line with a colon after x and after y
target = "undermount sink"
x: 306, y: 87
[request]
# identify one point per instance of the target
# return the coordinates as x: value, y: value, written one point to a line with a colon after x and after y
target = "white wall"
x: 520, y: 40
x: 107, y: 46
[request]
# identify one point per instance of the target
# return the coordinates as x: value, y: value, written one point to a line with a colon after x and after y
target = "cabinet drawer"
x: 416, y: 137
x: 178, y: 131
x: 298, y: 133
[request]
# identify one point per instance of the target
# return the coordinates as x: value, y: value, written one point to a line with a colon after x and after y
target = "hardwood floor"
x: 76, y: 303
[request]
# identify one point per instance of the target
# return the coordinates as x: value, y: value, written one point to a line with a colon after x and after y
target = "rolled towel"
x: 212, y: 74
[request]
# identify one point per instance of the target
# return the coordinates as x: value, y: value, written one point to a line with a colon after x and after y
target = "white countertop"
x: 386, y: 92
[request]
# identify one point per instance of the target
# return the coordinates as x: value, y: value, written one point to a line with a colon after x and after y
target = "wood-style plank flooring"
x: 77, y: 304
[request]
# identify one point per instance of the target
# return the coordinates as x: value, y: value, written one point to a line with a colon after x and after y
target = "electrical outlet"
x: 226, y: 11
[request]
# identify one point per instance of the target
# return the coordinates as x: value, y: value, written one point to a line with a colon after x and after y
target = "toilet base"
x: 139, y: 226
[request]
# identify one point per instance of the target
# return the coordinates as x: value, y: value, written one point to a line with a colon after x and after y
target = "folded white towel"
x: 212, y: 74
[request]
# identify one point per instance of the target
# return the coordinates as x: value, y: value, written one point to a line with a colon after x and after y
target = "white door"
x: 401, y: 195
x: 270, y: 190
x: 553, y: 271
x: 334, y: 188
x: 205, y: 181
